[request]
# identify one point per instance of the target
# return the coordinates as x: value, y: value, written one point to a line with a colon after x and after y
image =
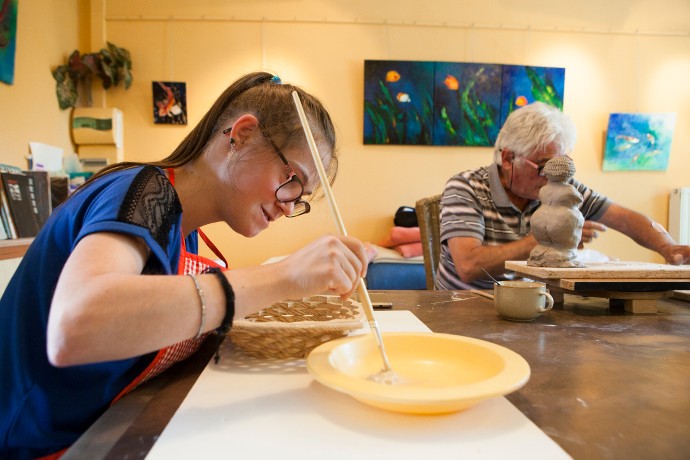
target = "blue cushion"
x: 396, y: 276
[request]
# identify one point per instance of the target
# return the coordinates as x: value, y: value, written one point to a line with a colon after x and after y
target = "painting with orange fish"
x: 639, y: 141
x: 451, y: 83
x: 398, y: 102
x: 467, y: 103
x: 8, y: 39
x: 392, y: 76
x: 523, y: 85
x: 169, y: 103
x: 450, y: 103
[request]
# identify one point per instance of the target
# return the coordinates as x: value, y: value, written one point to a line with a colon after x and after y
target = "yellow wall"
x: 619, y: 55
x: 47, y: 32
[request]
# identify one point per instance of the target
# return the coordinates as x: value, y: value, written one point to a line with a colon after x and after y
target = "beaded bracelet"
x: 200, y: 293
x: 225, y: 326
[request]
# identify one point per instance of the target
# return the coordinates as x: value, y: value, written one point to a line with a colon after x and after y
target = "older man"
x: 486, y: 212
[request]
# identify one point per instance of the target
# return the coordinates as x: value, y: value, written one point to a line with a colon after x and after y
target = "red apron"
x: 188, y: 263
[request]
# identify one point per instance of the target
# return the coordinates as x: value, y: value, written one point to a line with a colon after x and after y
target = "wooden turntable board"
x: 637, y: 285
x: 682, y: 295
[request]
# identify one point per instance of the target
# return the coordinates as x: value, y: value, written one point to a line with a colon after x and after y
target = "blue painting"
x: 523, y: 85
x: 398, y: 102
x: 450, y: 103
x: 639, y: 141
x: 467, y: 102
x: 8, y: 39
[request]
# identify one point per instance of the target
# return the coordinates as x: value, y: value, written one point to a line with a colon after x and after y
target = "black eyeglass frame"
x: 539, y: 168
x: 301, y: 207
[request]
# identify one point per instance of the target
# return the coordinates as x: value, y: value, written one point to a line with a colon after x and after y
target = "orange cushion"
x: 410, y: 249
x: 401, y: 235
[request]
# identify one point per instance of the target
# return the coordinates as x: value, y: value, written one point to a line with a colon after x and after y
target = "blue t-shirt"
x: 43, y: 408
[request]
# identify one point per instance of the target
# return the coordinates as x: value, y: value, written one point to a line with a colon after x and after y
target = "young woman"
x: 92, y: 311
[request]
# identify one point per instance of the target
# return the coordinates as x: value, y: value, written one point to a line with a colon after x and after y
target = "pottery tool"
x: 482, y: 294
x: 386, y: 375
x: 492, y: 278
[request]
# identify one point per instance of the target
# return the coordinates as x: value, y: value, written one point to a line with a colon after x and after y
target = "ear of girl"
x: 243, y: 129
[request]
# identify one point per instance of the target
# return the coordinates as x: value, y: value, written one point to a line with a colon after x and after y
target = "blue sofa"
x: 391, y: 271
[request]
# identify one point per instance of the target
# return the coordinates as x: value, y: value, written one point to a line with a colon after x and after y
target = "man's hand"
x: 676, y: 254
x: 590, y: 231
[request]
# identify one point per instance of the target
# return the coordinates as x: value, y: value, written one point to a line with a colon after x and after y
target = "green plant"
x: 112, y: 65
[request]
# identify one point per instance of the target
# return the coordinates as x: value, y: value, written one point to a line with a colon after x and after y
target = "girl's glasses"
x: 292, y: 189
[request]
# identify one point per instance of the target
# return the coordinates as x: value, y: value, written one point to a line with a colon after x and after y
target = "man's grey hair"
x: 532, y: 127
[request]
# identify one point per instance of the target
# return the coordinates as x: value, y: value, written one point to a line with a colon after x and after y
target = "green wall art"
x: 450, y: 103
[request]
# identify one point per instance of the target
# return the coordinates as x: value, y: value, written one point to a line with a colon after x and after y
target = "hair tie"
x: 276, y: 79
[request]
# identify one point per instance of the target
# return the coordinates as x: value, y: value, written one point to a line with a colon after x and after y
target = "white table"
x: 260, y: 409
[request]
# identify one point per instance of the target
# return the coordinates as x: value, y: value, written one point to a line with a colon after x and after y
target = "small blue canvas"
x: 639, y: 141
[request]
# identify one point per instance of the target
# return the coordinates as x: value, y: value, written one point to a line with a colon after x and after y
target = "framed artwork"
x: 467, y: 103
x: 450, y: 103
x: 523, y: 85
x: 8, y: 39
x: 398, y: 102
x: 639, y: 141
x: 169, y: 102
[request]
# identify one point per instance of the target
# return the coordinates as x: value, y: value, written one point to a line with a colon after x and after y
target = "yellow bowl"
x: 437, y: 373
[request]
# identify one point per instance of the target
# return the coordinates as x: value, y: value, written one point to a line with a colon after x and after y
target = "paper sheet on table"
x: 45, y: 157
x: 261, y: 409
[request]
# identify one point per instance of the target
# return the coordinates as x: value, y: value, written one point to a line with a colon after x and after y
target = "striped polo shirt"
x: 475, y: 204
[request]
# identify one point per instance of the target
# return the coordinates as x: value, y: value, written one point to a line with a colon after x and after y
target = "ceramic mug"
x: 521, y: 300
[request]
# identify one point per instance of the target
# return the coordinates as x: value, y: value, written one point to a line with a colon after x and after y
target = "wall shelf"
x: 13, y: 249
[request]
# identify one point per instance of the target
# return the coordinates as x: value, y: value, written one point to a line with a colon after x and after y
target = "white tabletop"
x: 247, y: 408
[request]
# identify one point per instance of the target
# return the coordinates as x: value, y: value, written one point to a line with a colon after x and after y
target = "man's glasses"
x: 292, y: 189
x: 540, y: 169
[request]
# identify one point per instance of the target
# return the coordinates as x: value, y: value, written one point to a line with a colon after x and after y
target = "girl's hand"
x: 331, y: 264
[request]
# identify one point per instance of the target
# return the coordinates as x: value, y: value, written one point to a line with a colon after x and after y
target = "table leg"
x: 558, y: 298
x: 640, y: 305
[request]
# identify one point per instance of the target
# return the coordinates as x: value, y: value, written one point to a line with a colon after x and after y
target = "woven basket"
x: 291, y: 329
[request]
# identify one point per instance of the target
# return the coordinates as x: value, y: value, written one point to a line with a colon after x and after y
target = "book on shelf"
x: 10, y: 168
x: 19, y: 191
x: 42, y: 192
x: 27, y: 195
x: 3, y: 229
x: 9, y: 229
x: 20, y: 195
x: 59, y: 190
